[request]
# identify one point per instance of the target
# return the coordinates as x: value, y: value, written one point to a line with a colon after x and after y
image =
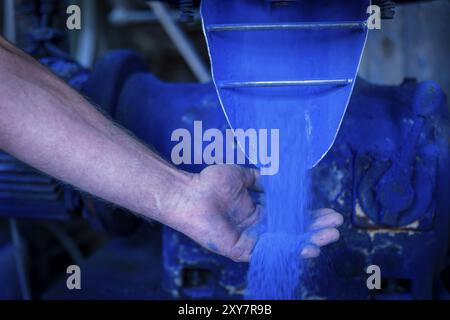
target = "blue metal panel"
x: 296, y: 59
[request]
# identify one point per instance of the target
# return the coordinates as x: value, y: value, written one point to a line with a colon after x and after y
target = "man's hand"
x: 218, y: 212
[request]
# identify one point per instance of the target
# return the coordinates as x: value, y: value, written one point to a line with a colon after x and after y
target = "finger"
x: 325, y: 236
x: 310, y: 251
x: 322, y: 212
x: 241, y: 251
x: 242, y: 207
x: 252, y: 219
x: 257, y: 186
x: 330, y: 220
x: 258, y: 198
x: 251, y: 178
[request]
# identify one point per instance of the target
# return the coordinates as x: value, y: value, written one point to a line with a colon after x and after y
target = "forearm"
x: 49, y: 126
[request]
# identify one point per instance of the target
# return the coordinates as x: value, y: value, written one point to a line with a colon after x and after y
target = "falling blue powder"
x: 276, y: 264
x: 284, y: 55
x: 275, y: 268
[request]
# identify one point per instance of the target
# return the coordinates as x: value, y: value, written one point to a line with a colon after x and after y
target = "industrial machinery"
x: 386, y: 171
x: 352, y: 179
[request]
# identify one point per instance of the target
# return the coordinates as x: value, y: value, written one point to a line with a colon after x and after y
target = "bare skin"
x: 48, y: 125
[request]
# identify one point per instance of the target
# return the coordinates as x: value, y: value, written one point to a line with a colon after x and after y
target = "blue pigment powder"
x: 276, y: 265
x: 307, y: 117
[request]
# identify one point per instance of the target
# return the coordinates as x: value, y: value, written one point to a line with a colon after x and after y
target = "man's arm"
x: 50, y: 126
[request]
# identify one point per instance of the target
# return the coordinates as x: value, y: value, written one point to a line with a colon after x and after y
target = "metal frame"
x: 287, y: 26
x: 240, y: 84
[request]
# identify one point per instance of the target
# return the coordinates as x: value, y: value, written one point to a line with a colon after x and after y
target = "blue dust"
x: 276, y: 264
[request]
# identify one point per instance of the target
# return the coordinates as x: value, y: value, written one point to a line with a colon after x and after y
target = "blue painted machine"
x: 387, y: 173
x: 392, y: 139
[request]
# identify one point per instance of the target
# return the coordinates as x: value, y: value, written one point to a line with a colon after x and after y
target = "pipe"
x: 9, y: 25
x: 332, y: 82
x: 19, y: 253
x: 86, y: 47
x: 288, y: 26
x: 181, y: 41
